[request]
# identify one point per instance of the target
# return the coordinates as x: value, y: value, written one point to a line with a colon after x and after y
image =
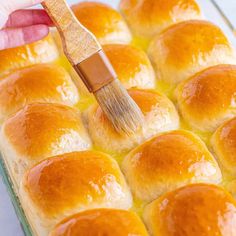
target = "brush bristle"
x: 119, y: 107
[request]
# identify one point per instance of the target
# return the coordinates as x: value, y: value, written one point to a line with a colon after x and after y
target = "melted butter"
x: 205, y: 136
x: 165, y: 88
x: 117, y: 156
x: 140, y: 43
x: 138, y: 206
x: 85, y: 102
x: 63, y: 61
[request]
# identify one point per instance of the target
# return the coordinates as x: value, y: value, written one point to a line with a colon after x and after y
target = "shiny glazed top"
x: 75, y: 181
x: 38, y: 83
x: 147, y: 18
x: 103, y: 21
x: 193, y: 210
x: 168, y: 161
x: 224, y: 145
x: 208, y: 96
x: 185, y: 43
x: 42, y: 130
x: 101, y: 222
x: 42, y: 51
x: 132, y: 66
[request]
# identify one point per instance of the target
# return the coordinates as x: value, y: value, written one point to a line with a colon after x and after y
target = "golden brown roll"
x: 109, y: 222
x: 168, y: 161
x: 159, y: 115
x: 64, y: 185
x: 132, y: 66
x: 207, y: 99
x: 42, y: 51
x: 39, y: 131
x: 187, y: 48
x: 224, y: 146
x: 103, y: 21
x: 193, y: 210
x: 147, y: 18
x: 38, y: 83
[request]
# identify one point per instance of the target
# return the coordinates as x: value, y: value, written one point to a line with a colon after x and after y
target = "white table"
x: 9, y: 225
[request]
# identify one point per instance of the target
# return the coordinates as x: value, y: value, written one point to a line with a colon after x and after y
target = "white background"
x: 9, y: 224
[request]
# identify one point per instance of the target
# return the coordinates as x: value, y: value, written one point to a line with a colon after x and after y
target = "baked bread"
x: 103, y: 21
x: 66, y: 187
x: 224, y: 146
x: 70, y: 183
x: 42, y: 51
x: 192, y: 210
x: 132, y: 66
x: 207, y: 99
x: 168, y: 161
x: 101, y: 222
x: 159, y: 115
x: 37, y: 83
x: 187, y: 48
x: 39, y: 131
x: 147, y: 18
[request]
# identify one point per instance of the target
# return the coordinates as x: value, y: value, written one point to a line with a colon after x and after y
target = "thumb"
x: 9, y: 6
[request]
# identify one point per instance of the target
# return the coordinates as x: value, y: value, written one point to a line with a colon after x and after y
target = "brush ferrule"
x: 96, y: 71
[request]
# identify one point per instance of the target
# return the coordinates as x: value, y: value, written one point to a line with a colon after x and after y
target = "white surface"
x: 229, y: 9
x: 211, y: 14
x: 9, y: 224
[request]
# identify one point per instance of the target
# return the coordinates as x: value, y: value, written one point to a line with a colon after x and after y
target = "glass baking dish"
x: 209, y: 10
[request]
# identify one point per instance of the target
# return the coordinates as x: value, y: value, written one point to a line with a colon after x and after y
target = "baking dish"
x: 210, y: 12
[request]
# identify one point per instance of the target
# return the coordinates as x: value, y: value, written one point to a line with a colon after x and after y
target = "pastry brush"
x: 90, y: 62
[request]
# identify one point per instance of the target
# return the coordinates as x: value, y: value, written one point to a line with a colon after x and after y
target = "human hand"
x: 19, y: 27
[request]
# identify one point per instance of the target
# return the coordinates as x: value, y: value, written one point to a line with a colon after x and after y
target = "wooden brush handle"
x: 78, y: 42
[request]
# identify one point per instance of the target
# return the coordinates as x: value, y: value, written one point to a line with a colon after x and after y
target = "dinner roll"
x: 132, y: 66
x: 38, y: 83
x: 39, y: 131
x: 159, y: 115
x: 109, y: 222
x: 64, y: 185
x: 207, y: 99
x: 147, y: 18
x: 42, y: 51
x: 168, y: 161
x: 194, y: 210
x: 187, y: 48
x: 103, y: 21
x: 224, y: 146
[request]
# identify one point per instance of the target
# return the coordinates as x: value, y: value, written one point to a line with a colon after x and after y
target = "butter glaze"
x: 193, y: 210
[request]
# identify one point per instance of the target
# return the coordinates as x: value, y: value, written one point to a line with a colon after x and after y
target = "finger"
x: 9, y: 6
x: 3, y: 18
x: 10, y: 38
x: 23, y: 18
x: 13, y: 5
